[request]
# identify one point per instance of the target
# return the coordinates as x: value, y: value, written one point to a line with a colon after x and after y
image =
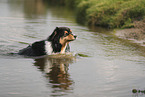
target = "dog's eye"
x: 66, y: 34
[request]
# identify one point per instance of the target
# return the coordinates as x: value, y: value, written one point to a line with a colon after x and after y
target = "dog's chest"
x: 48, y: 48
x: 63, y: 49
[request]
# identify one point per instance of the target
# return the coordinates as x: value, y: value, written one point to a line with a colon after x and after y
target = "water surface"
x: 114, y: 67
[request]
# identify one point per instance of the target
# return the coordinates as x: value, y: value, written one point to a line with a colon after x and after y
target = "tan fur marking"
x: 63, y: 48
x: 65, y: 32
x: 62, y: 41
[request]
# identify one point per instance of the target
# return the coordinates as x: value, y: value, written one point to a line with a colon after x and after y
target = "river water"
x: 112, y: 68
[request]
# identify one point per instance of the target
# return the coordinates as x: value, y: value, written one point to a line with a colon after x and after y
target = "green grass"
x: 108, y: 13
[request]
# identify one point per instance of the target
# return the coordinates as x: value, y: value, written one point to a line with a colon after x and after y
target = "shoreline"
x: 127, y: 18
x: 107, y: 13
x: 136, y: 34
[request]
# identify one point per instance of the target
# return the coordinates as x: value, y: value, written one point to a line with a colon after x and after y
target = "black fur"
x: 36, y: 49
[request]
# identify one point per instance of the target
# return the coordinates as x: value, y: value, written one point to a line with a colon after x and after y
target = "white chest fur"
x: 48, y: 48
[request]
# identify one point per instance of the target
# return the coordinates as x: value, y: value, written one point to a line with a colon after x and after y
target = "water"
x: 114, y: 67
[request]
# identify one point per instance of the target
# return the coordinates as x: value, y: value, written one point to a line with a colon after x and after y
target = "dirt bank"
x: 136, y: 34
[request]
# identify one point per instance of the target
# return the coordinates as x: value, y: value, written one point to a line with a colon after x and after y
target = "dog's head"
x: 62, y: 35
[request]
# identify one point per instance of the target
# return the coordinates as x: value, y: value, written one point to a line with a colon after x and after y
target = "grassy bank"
x: 107, y: 13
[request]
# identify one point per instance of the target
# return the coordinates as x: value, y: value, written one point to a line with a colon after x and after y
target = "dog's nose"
x: 75, y: 36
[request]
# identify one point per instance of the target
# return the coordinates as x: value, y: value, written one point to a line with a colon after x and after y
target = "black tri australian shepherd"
x: 57, y: 42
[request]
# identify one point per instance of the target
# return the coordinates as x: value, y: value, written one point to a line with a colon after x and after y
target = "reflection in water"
x: 56, y: 72
x: 34, y: 8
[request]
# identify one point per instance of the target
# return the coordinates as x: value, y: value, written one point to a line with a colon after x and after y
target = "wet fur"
x: 57, y: 42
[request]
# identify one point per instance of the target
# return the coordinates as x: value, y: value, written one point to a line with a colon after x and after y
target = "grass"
x: 107, y: 13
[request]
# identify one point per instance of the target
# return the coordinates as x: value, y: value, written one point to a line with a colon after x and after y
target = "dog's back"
x: 36, y: 49
x: 28, y: 51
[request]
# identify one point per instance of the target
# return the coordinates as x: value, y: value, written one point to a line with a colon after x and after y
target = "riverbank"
x: 106, y: 13
x: 136, y: 34
x: 128, y: 15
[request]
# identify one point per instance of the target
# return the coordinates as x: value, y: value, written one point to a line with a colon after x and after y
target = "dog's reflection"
x: 56, y: 71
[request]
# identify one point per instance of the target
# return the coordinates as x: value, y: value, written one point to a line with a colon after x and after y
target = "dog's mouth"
x: 70, y: 40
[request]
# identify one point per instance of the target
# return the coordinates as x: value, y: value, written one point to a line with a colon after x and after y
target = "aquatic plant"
x: 138, y: 91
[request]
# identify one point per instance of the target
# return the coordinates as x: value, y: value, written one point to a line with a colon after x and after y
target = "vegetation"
x: 107, y: 13
x: 138, y: 91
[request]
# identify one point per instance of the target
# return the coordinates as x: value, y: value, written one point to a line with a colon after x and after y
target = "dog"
x: 57, y: 42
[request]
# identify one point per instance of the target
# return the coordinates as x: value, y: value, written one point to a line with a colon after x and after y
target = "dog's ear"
x: 51, y: 37
x: 56, y: 28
